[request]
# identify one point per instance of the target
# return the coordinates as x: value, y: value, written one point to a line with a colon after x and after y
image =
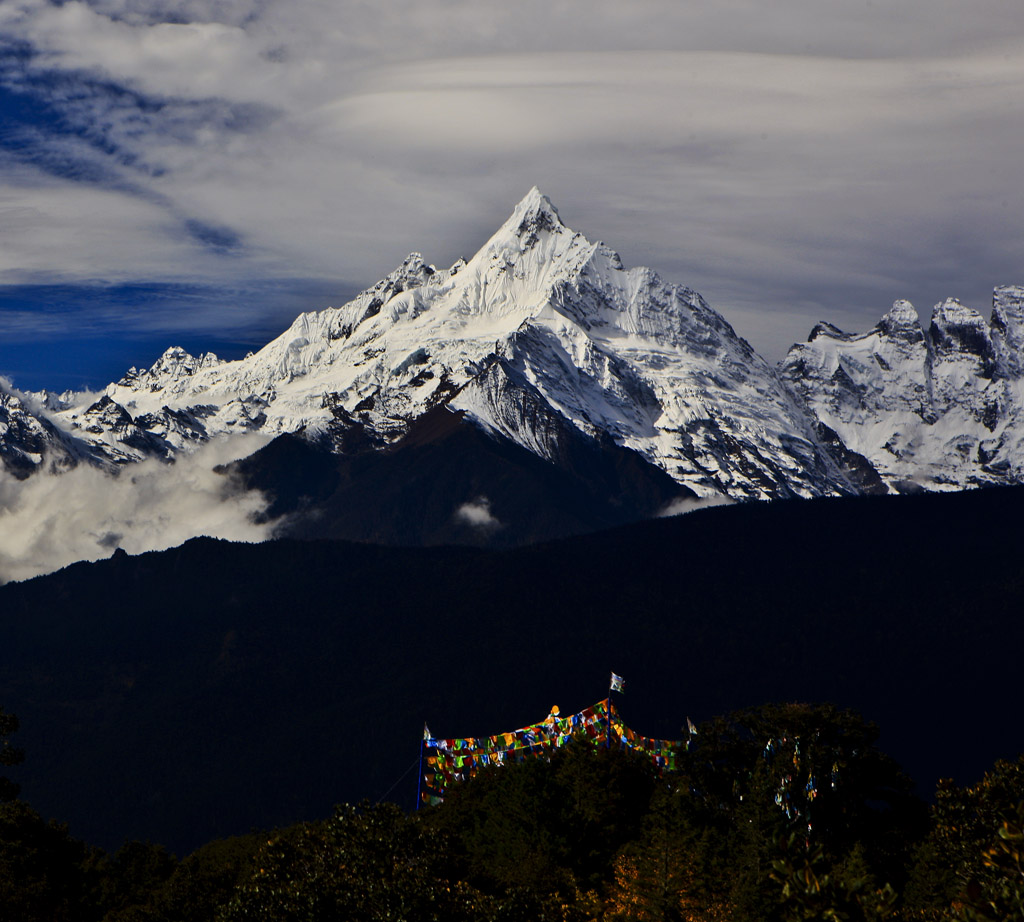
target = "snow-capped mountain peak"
x: 28, y: 439
x: 902, y: 322
x: 543, y: 337
x: 174, y: 364
x: 540, y: 324
x: 535, y: 212
x: 957, y: 331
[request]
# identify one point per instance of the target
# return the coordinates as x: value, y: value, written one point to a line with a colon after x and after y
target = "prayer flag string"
x: 450, y: 761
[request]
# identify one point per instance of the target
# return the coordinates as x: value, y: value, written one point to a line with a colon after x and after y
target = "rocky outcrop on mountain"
x: 174, y: 365
x: 28, y: 441
x: 935, y: 409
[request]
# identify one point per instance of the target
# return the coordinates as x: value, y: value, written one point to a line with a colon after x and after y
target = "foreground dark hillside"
x: 214, y: 687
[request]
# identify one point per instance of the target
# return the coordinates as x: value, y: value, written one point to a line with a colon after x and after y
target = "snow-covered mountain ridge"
x: 543, y: 328
x: 939, y: 408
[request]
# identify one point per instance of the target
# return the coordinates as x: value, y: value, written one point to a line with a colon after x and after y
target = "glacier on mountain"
x: 543, y: 328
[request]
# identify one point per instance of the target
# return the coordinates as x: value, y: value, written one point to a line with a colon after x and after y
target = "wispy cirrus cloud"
x: 791, y: 164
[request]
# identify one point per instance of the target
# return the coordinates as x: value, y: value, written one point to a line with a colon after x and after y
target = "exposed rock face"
x: 28, y: 441
x: 939, y: 409
x: 1008, y: 331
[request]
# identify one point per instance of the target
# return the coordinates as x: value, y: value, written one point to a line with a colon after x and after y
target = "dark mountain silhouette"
x: 217, y: 687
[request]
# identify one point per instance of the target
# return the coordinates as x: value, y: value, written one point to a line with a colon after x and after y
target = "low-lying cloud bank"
x: 689, y: 504
x: 52, y: 520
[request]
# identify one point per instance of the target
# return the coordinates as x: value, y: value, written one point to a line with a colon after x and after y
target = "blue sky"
x: 83, y: 336
x: 197, y: 172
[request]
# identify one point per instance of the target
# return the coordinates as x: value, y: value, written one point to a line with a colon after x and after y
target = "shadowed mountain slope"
x: 447, y: 481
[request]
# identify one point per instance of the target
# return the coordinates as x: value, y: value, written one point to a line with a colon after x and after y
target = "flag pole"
x: 608, y: 733
x: 419, y: 777
x: 615, y: 684
x: 608, y: 738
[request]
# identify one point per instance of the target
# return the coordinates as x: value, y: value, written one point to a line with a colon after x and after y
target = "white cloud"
x: 690, y: 504
x: 478, y: 514
x: 49, y: 521
x: 791, y: 165
x: 191, y: 59
x: 54, y: 229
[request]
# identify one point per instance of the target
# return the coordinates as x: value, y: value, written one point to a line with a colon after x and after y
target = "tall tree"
x: 363, y: 864
x: 973, y: 846
x: 672, y: 870
x: 810, y: 773
x: 45, y: 874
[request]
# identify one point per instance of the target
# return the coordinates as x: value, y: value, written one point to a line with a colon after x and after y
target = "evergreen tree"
x: 362, y: 865
x: 45, y: 874
x: 550, y: 828
x: 956, y: 865
x: 671, y: 871
x: 810, y: 774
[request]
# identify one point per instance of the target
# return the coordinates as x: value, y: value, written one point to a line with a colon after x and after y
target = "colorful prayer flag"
x: 618, y: 684
x: 454, y: 760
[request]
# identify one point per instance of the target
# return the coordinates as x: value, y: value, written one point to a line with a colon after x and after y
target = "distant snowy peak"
x: 902, y: 323
x: 960, y: 334
x: 539, y: 330
x: 931, y: 409
x: 28, y: 440
x: 173, y: 365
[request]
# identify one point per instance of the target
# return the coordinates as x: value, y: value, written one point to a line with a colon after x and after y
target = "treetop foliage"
x: 593, y: 835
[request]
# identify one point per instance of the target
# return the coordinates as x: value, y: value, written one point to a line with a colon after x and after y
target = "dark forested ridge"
x: 213, y: 688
